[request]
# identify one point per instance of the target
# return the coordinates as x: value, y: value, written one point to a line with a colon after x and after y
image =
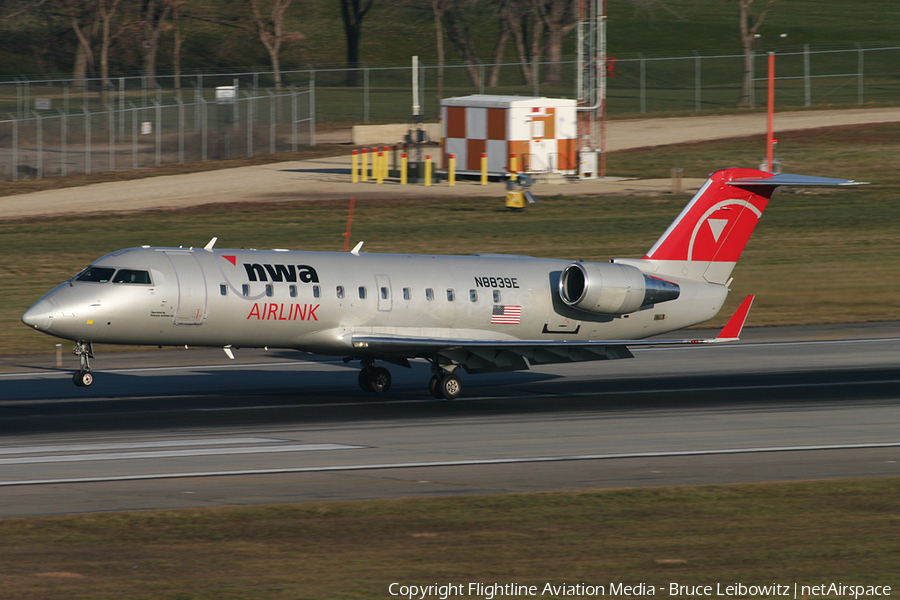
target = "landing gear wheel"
x: 380, y: 380
x: 83, y: 378
x: 365, y: 380
x: 434, y: 386
x: 449, y: 387
x: 375, y: 379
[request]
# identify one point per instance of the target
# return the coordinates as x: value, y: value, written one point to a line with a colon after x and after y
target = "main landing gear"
x: 85, y: 352
x: 374, y: 379
x: 444, y: 384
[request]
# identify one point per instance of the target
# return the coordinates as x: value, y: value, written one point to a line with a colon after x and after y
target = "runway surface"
x: 184, y: 428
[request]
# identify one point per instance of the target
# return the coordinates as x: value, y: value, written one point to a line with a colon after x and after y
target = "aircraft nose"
x: 40, y: 316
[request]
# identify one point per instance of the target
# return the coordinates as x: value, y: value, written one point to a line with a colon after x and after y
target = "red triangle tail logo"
x: 231, y: 259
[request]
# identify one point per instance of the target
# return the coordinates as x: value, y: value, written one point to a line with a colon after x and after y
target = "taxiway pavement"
x: 191, y: 428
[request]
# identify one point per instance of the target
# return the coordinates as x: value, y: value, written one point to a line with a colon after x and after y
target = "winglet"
x: 735, y: 324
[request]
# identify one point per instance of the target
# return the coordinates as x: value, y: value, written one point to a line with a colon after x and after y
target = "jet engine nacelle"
x: 612, y: 289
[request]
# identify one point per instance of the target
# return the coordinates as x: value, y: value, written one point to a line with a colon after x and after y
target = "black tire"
x: 450, y: 387
x: 434, y: 386
x: 380, y: 380
x: 365, y: 380
x: 83, y: 378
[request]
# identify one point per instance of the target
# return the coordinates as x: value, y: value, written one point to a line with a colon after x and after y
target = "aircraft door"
x: 383, y: 290
x: 191, y: 288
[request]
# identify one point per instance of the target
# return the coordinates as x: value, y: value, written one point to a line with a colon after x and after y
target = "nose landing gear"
x: 85, y: 352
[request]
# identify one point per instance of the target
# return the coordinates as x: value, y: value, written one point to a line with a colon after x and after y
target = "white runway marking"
x: 59, y: 458
x: 136, y: 445
x: 455, y: 463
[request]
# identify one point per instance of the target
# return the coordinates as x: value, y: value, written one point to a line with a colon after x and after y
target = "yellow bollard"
x: 427, y: 169
x: 378, y: 171
x: 483, y: 168
x: 451, y: 170
x: 513, y: 167
x: 385, y: 173
x: 354, y: 165
x: 364, y: 170
x: 403, y: 168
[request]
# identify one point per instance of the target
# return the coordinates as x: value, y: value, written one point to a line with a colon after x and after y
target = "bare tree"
x: 107, y: 10
x: 557, y: 18
x: 272, y: 34
x: 461, y: 38
x: 153, y: 22
x: 438, y: 7
x: 749, y: 26
x: 82, y: 16
x: 352, y: 13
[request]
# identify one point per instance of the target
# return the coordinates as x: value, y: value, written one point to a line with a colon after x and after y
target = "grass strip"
x: 808, y: 533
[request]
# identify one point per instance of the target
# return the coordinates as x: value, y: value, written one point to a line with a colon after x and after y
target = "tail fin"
x: 708, y: 237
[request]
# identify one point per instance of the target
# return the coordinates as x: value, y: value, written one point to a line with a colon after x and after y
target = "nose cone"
x: 40, y: 316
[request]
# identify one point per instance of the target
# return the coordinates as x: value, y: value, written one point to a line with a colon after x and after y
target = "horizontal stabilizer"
x: 790, y: 179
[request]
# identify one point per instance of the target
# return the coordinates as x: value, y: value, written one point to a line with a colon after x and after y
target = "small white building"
x: 540, y: 132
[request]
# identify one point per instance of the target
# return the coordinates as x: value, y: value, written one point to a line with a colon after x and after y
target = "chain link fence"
x: 63, y: 127
x: 47, y: 141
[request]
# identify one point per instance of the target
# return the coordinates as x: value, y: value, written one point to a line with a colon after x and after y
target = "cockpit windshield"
x: 96, y: 274
x: 132, y: 276
x: 105, y: 275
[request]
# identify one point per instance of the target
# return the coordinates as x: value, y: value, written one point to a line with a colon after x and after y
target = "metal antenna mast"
x: 592, y: 78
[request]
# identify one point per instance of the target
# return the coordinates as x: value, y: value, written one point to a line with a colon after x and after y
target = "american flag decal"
x: 505, y: 315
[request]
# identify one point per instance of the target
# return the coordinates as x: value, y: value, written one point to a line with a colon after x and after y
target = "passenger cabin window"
x: 451, y: 295
x: 473, y: 295
x: 293, y: 290
x: 497, y: 296
x: 132, y: 276
x: 223, y: 289
x: 384, y: 293
x: 270, y: 291
x: 429, y: 294
x: 317, y: 291
x: 97, y: 274
x: 407, y: 293
x: 339, y: 290
x: 362, y: 292
x: 245, y: 289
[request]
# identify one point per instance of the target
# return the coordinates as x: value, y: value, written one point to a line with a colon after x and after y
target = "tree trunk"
x: 352, y: 15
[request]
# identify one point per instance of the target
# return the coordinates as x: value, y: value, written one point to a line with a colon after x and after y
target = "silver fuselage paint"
x: 202, y: 297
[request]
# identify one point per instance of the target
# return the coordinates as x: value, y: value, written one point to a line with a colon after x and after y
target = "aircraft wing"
x: 488, y: 356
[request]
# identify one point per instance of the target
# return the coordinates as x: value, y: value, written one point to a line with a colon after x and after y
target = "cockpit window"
x: 97, y: 274
x: 132, y: 276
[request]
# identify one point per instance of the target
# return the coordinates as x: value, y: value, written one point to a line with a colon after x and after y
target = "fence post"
x: 643, y: 62
x: 312, y: 112
x: 158, y: 126
x: 134, y: 136
x: 40, y: 145
x: 112, y: 135
x: 15, y: 148
x: 696, y: 81
x: 180, y: 130
x: 859, y: 85
x: 295, y: 115
x: 271, y: 121
x: 87, y: 141
x: 366, y: 94
x: 204, y: 129
x: 63, y: 130
x: 249, y: 125
x: 807, y: 90
x: 121, y: 109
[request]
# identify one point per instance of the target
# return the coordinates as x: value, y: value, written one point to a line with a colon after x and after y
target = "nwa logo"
x: 278, y: 273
